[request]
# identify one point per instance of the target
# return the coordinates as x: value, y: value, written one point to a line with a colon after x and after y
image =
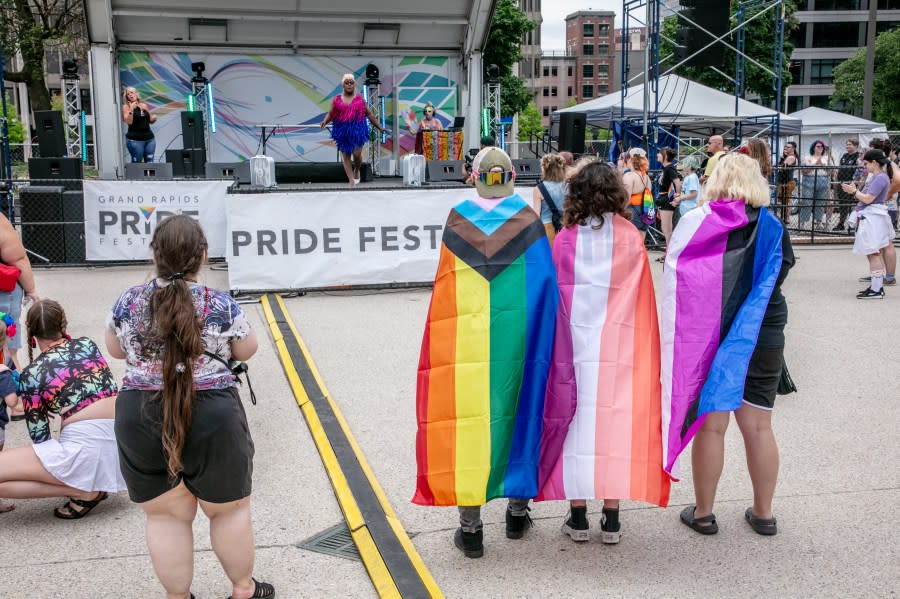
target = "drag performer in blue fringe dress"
x: 349, y: 130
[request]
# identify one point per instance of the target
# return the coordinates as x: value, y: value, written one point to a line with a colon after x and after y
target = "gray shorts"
x: 11, y: 303
x: 217, y: 456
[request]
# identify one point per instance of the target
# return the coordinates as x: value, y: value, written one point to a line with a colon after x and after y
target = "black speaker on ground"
x: 159, y: 171
x: 317, y: 172
x: 187, y: 163
x: 444, y: 170
x: 527, y: 169
x: 571, y: 132
x: 45, y: 169
x: 41, y: 204
x: 74, y: 242
x: 50, y: 133
x: 47, y: 241
x: 73, y: 207
x: 229, y: 170
x: 192, y: 134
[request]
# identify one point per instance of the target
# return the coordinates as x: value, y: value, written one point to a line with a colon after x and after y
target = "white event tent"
x: 697, y: 109
x: 835, y: 128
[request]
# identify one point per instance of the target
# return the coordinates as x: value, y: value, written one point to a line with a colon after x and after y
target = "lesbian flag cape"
x: 603, y: 394
x: 485, y: 355
x: 721, y: 268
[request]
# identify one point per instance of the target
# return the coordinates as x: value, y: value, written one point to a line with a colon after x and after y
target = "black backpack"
x: 556, y: 217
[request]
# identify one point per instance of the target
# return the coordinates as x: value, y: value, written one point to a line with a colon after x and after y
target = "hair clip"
x: 32, y: 342
x: 175, y: 275
x: 180, y: 368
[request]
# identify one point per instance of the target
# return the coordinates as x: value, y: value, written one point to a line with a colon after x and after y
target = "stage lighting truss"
x: 375, y: 103
x: 490, y: 119
x: 73, y: 117
x: 202, y: 99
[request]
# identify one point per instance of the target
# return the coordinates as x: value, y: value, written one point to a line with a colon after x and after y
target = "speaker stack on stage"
x: 52, y: 213
x: 190, y: 161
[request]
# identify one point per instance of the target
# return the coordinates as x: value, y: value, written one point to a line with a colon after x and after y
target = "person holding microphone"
x: 139, y: 138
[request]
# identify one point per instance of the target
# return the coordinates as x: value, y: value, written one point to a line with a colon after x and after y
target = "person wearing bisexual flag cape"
x: 722, y: 319
x: 485, y: 357
x: 602, y: 422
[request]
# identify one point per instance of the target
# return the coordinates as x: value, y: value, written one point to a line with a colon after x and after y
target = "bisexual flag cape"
x: 721, y: 268
x: 485, y: 355
x: 602, y: 421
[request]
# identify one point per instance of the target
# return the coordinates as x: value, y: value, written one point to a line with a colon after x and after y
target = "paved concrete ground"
x: 836, y: 502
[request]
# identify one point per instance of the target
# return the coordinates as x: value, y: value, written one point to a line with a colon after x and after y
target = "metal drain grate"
x: 332, y: 541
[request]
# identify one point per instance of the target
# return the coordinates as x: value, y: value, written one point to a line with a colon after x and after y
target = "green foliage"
x: 504, y: 43
x: 530, y: 126
x: 14, y: 125
x: 758, y: 38
x: 514, y: 98
x: 849, y: 78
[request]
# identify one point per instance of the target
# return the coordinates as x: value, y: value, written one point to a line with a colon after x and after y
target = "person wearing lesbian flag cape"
x: 602, y: 421
x: 485, y: 357
x: 722, y: 319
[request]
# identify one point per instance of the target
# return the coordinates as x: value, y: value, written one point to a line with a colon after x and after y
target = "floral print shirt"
x: 222, y: 320
x: 65, y: 379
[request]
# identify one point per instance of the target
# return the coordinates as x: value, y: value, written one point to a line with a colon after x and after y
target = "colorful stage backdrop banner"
x: 310, y: 240
x: 293, y: 91
x: 120, y: 216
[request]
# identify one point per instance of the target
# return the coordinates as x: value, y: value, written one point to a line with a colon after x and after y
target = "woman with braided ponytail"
x: 182, y: 433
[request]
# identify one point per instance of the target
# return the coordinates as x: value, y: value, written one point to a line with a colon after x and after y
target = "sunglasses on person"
x: 429, y: 111
x: 495, y: 177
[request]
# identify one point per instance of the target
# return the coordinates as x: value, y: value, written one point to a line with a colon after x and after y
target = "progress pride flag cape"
x: 605, y: 362
x: 721, y: 268
x: 485, y: 356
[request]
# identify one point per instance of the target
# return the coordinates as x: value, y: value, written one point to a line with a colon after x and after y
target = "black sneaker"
x: 890, y: 281
x: 516, y: 525
x: 610, y: 528
x: 576, y: 525
x: 869, y: 294
x: 470, y: 543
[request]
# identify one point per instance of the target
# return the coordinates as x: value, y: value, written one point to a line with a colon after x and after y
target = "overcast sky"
x: 553, y: 30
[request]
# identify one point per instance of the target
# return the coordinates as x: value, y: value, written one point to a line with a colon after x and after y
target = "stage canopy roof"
x: 696, y: 109
x: 458, y: 26
x: 818, y: 121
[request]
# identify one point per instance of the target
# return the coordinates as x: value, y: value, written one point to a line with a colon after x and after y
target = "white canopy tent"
x: 697, y: 109
x: 835, y: 128
x: 317, y: 29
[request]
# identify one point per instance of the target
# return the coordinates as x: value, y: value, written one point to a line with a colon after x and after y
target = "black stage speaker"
x: 73, y: 207
x: 527, y: 169
x: 50, y: 134
x: 47, y: 241
x: 192, y: 134
x: 74, y: 242
x: 444, y: 170
x: 41, y: 203
x: 148, y: 170
x: 317, y: 172
x: 571, y: 132
x: 187, y: 163
x: 229, y: 170
x: 44, y: 169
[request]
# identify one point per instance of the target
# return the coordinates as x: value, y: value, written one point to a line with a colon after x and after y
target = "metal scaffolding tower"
x: 73, y: 118
x: 374, y: 102
x: 491, y: 104
x: 201, y: 94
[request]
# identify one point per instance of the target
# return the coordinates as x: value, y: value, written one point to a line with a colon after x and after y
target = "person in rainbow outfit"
x: 350, y: 131
x: 485, y: 357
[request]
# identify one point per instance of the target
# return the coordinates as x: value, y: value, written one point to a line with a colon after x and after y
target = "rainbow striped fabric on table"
x: 603, y: 394
x: 723, y: 262
x: 440, y: 145
x: 485, y: 356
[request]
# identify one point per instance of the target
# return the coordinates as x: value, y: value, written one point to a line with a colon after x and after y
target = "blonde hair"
x: 130, y: 89
x: 553, y: 167
x: 737, y: 177
x: 348, y: 76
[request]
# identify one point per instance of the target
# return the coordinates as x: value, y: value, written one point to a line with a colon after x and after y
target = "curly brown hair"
x: 592, y: 192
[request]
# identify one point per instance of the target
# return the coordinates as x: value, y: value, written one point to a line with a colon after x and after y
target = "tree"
x: 26, y: 27
x: 758, y: 36
x: 504, y: 49
x: 530, y: 126
x: 850, y: 74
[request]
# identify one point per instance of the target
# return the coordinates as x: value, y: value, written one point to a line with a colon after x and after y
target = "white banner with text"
x: 329, y: 239
x: 120, y: 216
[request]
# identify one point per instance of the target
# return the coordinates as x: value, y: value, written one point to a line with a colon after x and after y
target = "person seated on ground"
x: 429, y: 120
x: 70, y: 377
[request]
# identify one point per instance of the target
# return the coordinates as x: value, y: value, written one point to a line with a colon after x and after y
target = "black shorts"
x: 664, y: 202
x: 217, y: 456
x: 763, y: 375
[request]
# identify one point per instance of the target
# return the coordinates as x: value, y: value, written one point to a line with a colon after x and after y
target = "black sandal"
x: 762, y: 526
x: 68, y: 511
x: 705, y: 525
x: 261, y: 590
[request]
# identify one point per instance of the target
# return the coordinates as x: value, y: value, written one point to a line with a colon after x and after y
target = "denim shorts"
x: 636, y: 212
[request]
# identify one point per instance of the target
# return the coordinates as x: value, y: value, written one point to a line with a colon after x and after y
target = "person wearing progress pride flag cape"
x: 723, y: 318
x: 603, y: 394
x: 485, y: 357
